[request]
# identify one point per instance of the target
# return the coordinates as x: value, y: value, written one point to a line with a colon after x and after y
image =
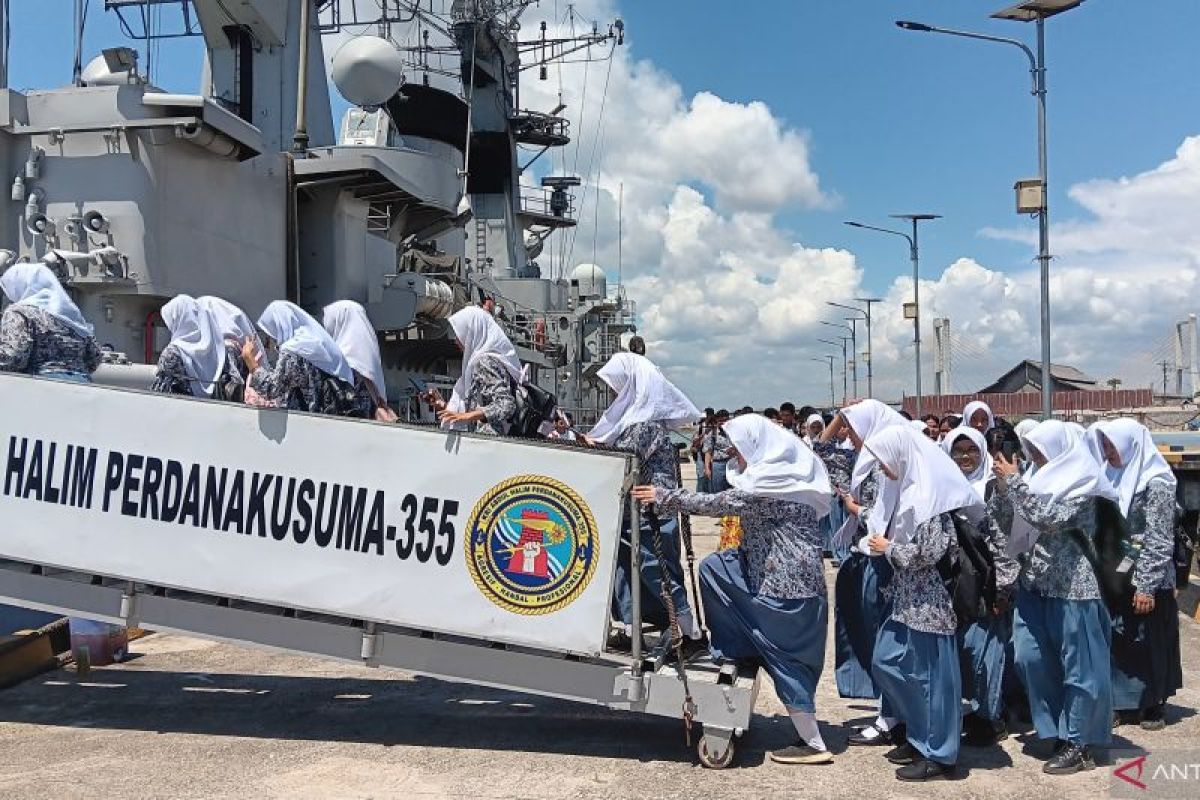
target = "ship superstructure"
x: 415, y: 204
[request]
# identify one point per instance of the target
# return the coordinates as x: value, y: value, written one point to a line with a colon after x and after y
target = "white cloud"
x: 730, y: 302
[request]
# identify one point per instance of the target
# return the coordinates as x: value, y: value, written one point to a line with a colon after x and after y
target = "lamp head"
x: 913, y: 26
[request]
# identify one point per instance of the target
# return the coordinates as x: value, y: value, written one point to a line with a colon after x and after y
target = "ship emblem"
x: 531, y: 545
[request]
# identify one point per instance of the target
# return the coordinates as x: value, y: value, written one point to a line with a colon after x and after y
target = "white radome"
x: 368, y: 70
x: 591, y: 280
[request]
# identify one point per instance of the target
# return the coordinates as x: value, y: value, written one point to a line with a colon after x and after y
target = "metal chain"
x: 673, y: 629
x: 685, y: 529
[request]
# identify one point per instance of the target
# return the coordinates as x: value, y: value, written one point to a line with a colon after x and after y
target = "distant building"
x: 1017, y: 393
x: 1027, y: 377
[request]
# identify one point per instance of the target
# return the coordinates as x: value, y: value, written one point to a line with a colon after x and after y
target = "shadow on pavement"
x: 421, y: 712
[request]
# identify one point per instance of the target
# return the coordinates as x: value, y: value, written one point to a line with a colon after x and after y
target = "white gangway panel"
x: 503, y: 540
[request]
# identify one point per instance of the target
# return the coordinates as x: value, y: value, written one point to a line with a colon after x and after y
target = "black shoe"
x: 692, y: 649
x: 1153, y: 718
x: 924, y: 770
x: 1073, y: 758
x: 894, y: 736
x: 619, y: 641
x: 980, y: 732
x: 801, y: 753
x: 904, y: 753
x: 1126, y: 718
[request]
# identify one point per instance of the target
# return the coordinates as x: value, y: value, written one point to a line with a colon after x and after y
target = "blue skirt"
x: 982, y: 646
x: 718, y: 482
x: 1146, y: 659
x: 918, y: 673
x: 1063, y: 653
x: 786, y: 636
x: 701, y: 479
x: 653, y: 573
x: 859, y: 611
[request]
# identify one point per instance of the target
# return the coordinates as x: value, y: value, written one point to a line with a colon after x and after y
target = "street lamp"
x: 829, y: 359
x: 1029, y: 11
x: 914, y: 252
x: 868, y: 302
x: 842, y: 344
x: 853, y: 348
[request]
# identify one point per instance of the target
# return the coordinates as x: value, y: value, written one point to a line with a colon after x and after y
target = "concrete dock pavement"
x: 189, y: 718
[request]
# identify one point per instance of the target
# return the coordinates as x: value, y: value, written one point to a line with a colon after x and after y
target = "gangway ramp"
x: 473, y: 559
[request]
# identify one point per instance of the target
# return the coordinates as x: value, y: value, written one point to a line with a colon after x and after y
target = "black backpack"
x: 535, y: 408
x: 968, y: 572
x: 1185, y: 550
x: 1110, y: 553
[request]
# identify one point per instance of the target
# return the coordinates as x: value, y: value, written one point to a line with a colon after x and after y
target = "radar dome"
x: 591, y: 280
x: 97, y: 73
x: 368, y: 70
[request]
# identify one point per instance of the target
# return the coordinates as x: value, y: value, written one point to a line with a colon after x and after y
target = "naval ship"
x: 426, y: 197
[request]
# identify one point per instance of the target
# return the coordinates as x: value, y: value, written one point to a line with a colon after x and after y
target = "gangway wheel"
x: 716, y: 749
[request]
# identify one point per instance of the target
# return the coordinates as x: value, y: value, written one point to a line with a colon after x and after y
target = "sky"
x: 742, y: 141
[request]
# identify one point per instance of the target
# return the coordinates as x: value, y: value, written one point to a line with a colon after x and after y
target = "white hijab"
x: 1140, y: 460
x: 199, y: 342
x: 295, y: 331
x: 777, y: 464
x: 974, y: 406
x: 1071, y: 470
x: 982, y: 475
x: 867, y: 419
x: 643, y: 395
x: 928, y: 482
x: 35, y: 285
x: 479, y: 336
x: 232, y: 323
x: 348, y: 324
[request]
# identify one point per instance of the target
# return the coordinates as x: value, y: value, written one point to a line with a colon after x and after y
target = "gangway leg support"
x: 129, y: 615
x: 369, y: 642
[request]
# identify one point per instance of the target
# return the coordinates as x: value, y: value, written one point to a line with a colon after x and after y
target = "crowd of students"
x: 1065, y: 637
x: 898, y: 501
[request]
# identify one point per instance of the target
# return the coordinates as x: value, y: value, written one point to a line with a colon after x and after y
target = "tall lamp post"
x: 842, y: 344
x: 866, y: 316
x: 853, y: 362
x: 914, y: 253
x: 1037, y: 11
x: 829, y: 360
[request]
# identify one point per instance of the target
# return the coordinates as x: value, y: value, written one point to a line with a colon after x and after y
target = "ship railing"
x: 531, y: 331
x: 545, y: 202
x: 537, y: 124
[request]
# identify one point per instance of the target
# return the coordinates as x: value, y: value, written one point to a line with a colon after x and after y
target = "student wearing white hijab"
x: 307, y: 358
x: 485, y: 396
x: 983, y: 642
x: 766, y: 599
x: 234, y: 326
x: 814, y: 426
x: 1146, y: 658
x: 1062, y: 633
x: 646, y: 409
x: 348, y: 324
x: 915, y: 661
x: 861, y: 605
x: 1022, y: 430
x: 195, y: 360
x: 978, y: 415
x: 42, y: 331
